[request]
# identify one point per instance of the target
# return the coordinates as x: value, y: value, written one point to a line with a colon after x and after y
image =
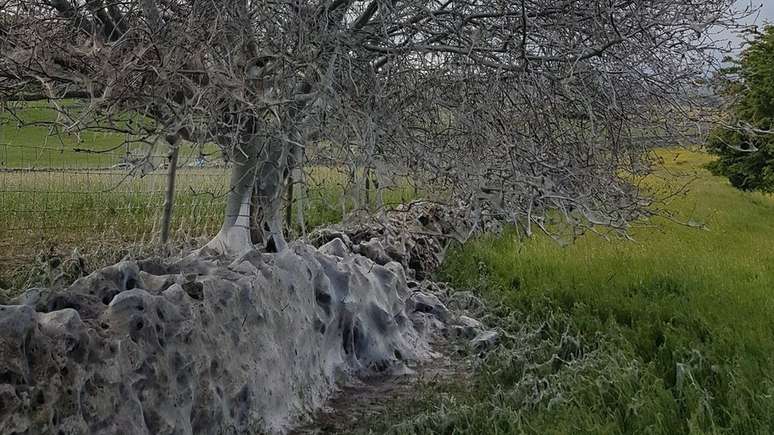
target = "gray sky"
x: 768, y: 10
x: 765, y: 14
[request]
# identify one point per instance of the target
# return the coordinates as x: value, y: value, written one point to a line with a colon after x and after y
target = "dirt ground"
x: 365, y: 405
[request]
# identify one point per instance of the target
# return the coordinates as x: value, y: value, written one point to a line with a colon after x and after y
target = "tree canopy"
x: 745, y: 143
x: 515, y: 108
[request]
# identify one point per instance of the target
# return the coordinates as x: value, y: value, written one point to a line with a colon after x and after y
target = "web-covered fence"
x: 58, y: 197
x: 98, y: 194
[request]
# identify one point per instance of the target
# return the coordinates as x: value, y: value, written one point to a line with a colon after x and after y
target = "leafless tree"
x: 513, y: 107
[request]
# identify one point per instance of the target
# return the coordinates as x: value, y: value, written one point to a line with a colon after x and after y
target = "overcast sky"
x: 765, y: 14
x: 767, y: 11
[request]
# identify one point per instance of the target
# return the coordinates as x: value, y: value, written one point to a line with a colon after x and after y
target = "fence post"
x: 169, y: 196
x: 289, y: 208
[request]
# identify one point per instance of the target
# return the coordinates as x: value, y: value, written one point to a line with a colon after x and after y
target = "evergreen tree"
x: 746, y: 144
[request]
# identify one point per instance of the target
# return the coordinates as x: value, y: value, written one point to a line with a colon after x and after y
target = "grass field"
x: 53, y: 192
x: 55, y: 198
x: 671, y: 334
x: 29, y: 139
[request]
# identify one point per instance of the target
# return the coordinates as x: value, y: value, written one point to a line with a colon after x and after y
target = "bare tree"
x: 513, y: 107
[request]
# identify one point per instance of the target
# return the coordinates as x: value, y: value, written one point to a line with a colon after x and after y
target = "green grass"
x: 30, y: 139
x: 27, y: 141
x: 674, y: 333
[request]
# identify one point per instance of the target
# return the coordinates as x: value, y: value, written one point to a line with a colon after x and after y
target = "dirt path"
x: 363, y: 406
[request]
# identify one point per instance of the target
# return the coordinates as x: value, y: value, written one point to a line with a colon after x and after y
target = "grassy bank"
x: 671, y: 334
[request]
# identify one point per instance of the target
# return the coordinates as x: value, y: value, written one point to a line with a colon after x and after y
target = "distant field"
x: 29, y: 142
x: 671, y: 334
x: 56, y: 196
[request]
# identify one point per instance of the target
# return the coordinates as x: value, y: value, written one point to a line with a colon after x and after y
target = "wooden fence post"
x: 169, y: 196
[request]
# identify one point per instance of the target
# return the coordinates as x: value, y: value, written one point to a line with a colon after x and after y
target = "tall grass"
x: 673, y: 333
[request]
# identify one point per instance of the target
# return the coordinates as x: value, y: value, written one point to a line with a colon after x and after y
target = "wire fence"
x: 55, y: 199
x: 57, y: 202
x: 97, y: 194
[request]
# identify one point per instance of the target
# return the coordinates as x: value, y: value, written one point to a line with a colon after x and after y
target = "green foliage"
x: 671, y: 334
x: 746, y: 154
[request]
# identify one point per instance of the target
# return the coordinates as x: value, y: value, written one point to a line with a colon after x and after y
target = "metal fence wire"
x: 59, y: 193
x: 64, y: 193
x: 54, y: 196
x: 96, y: 191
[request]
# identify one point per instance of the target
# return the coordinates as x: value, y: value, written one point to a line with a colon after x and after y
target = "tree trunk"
x: 289, y: 204
x: 234, y: 236
x: 269, y: 186
x: 367, y: 188
x: 256, y: 233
